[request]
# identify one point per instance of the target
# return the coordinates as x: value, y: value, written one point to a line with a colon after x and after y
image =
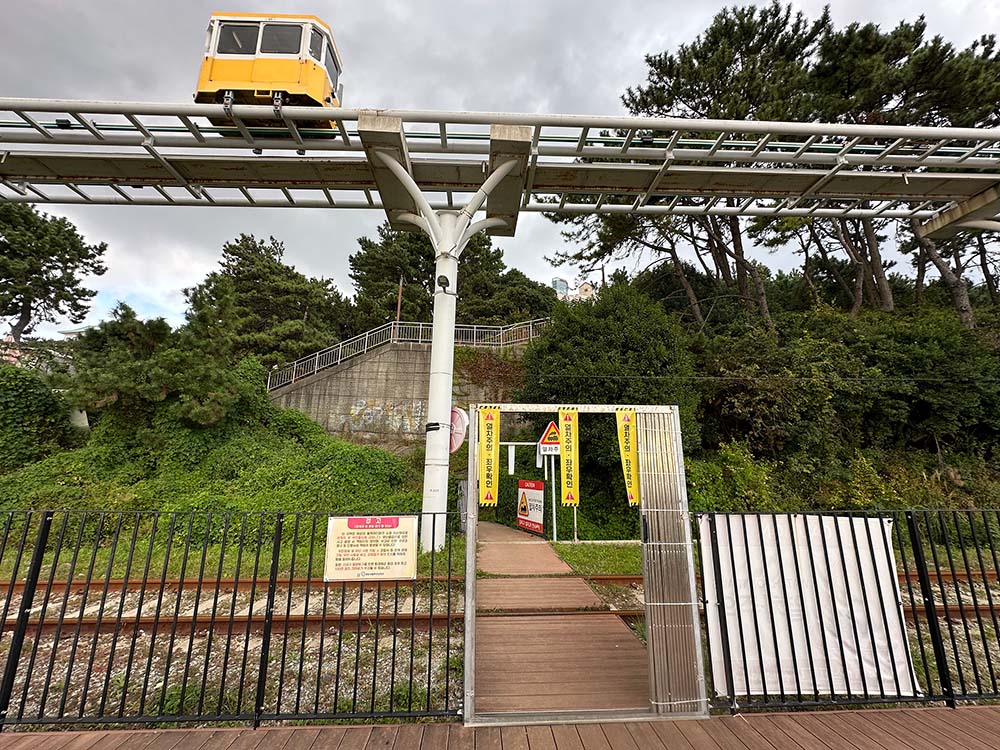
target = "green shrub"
x: 282, y: 461
x: 34, y: 421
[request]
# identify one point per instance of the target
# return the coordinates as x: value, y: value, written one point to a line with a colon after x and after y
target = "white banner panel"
x: 811, y: 606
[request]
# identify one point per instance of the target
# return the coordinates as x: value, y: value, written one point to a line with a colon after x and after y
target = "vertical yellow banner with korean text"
x: 569, y: 456
x: 629, y: 450
x: 489, y: 454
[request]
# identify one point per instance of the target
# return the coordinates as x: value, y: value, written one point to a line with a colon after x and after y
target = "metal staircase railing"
x: 402, y: 333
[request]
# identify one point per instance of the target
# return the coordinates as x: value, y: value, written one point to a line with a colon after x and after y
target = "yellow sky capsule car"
x: 277, y: 59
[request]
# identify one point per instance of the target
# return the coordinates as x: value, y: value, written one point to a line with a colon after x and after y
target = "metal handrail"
x: 400, y: 332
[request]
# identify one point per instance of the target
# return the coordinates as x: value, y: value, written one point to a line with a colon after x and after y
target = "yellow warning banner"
x: 629, y: 450
x: 569, y: 456
x: 489, y: 454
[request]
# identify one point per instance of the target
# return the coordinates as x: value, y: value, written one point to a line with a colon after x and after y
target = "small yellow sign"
x: 489, y: 454
x: 629, y: 449
x: 569, y: 451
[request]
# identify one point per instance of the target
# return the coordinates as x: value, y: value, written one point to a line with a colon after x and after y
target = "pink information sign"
x: 371, y: 548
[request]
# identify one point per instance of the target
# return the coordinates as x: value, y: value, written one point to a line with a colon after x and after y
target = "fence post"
x: 720, y: 601
x: 21, y: 627
x: 265, y: 645
x: 927, y: 594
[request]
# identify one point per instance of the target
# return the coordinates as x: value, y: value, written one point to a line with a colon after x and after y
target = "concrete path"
x: 543, y: 648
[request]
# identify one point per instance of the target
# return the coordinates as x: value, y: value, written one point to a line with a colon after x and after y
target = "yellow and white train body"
x: 276, y: 58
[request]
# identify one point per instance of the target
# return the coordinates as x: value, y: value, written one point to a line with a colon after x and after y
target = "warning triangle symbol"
x: 489, y: 416
x: 488, y: 497
x: 569, y: 496
x: 625, y: 418
x: 567, y: 418
x: 522, y: 506
x: 551, y: 436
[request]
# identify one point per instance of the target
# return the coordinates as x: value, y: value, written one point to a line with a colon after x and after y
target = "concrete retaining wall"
x: 380, y: 396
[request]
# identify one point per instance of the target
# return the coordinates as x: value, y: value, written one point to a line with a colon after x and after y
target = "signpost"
x: 371, y: 548
x: 549, y: 444
x: 548, y: 447
x: 530, y: 506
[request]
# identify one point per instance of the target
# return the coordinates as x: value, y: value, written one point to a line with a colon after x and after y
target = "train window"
x: 331, y: 66
x: 281, y: 39
x: 238, y: 39
x: 316, y: 44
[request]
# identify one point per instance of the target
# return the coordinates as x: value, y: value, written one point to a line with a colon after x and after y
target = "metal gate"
x: 676, y: 669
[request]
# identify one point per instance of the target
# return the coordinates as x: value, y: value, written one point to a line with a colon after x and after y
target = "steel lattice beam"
x: 60, y: 151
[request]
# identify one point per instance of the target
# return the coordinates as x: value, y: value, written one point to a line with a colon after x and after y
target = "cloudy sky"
x: 554, y: 56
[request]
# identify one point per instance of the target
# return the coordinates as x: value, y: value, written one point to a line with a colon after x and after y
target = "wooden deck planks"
x: 873, y: 729
x: 559, y: 663
x: 535, y: 595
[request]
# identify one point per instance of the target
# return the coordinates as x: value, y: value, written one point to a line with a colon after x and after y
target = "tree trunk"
x: 837, y: 275
x: 807, y: 273
x: 878, y: 270
x: 688, y: 289
x: 758, y: 284
x: 736, y: 235
x: 692, y: 297
x: 860, y: 260
x: 704, y: 266
x: 988, y: 278
x: 918, y: 292
x: 748, y: 270
x: 954, y: 281
x: 718, y: 255
x: 859, y: 290
x: 17, y: 327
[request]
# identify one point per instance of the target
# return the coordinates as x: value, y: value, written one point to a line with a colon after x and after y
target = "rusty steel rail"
x: 315, y: 582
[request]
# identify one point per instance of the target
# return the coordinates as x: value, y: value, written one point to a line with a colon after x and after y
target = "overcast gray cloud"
x: 541, y: 56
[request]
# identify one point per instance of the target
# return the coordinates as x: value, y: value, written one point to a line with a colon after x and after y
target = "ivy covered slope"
x: 254, y: 457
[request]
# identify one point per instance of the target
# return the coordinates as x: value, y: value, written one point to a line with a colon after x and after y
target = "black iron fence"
x: 120, y: 617
x: 851, y: 609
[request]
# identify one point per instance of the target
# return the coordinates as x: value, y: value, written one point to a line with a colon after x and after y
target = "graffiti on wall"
x: 379, y: 415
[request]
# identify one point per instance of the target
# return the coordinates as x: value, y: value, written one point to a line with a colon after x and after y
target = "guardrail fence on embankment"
x: 401, y: 333
x: 121, y: 617
x: 819, y: 610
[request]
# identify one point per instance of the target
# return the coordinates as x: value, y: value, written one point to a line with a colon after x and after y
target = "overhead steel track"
x: 86, y: 152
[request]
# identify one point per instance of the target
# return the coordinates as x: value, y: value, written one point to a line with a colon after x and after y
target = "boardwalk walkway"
x: 549, y: 652
x: 969, y: 728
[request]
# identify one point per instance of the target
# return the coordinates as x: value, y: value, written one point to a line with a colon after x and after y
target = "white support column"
x: 449, y: 232
x: 442, y: 373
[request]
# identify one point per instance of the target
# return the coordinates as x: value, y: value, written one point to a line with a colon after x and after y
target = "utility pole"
x: 399, y: 299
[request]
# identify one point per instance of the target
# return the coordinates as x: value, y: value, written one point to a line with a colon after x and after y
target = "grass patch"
x: 602, y: 559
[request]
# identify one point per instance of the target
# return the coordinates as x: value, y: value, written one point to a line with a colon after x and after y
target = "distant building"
x: 585, y: 290
x: 73, y: 333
